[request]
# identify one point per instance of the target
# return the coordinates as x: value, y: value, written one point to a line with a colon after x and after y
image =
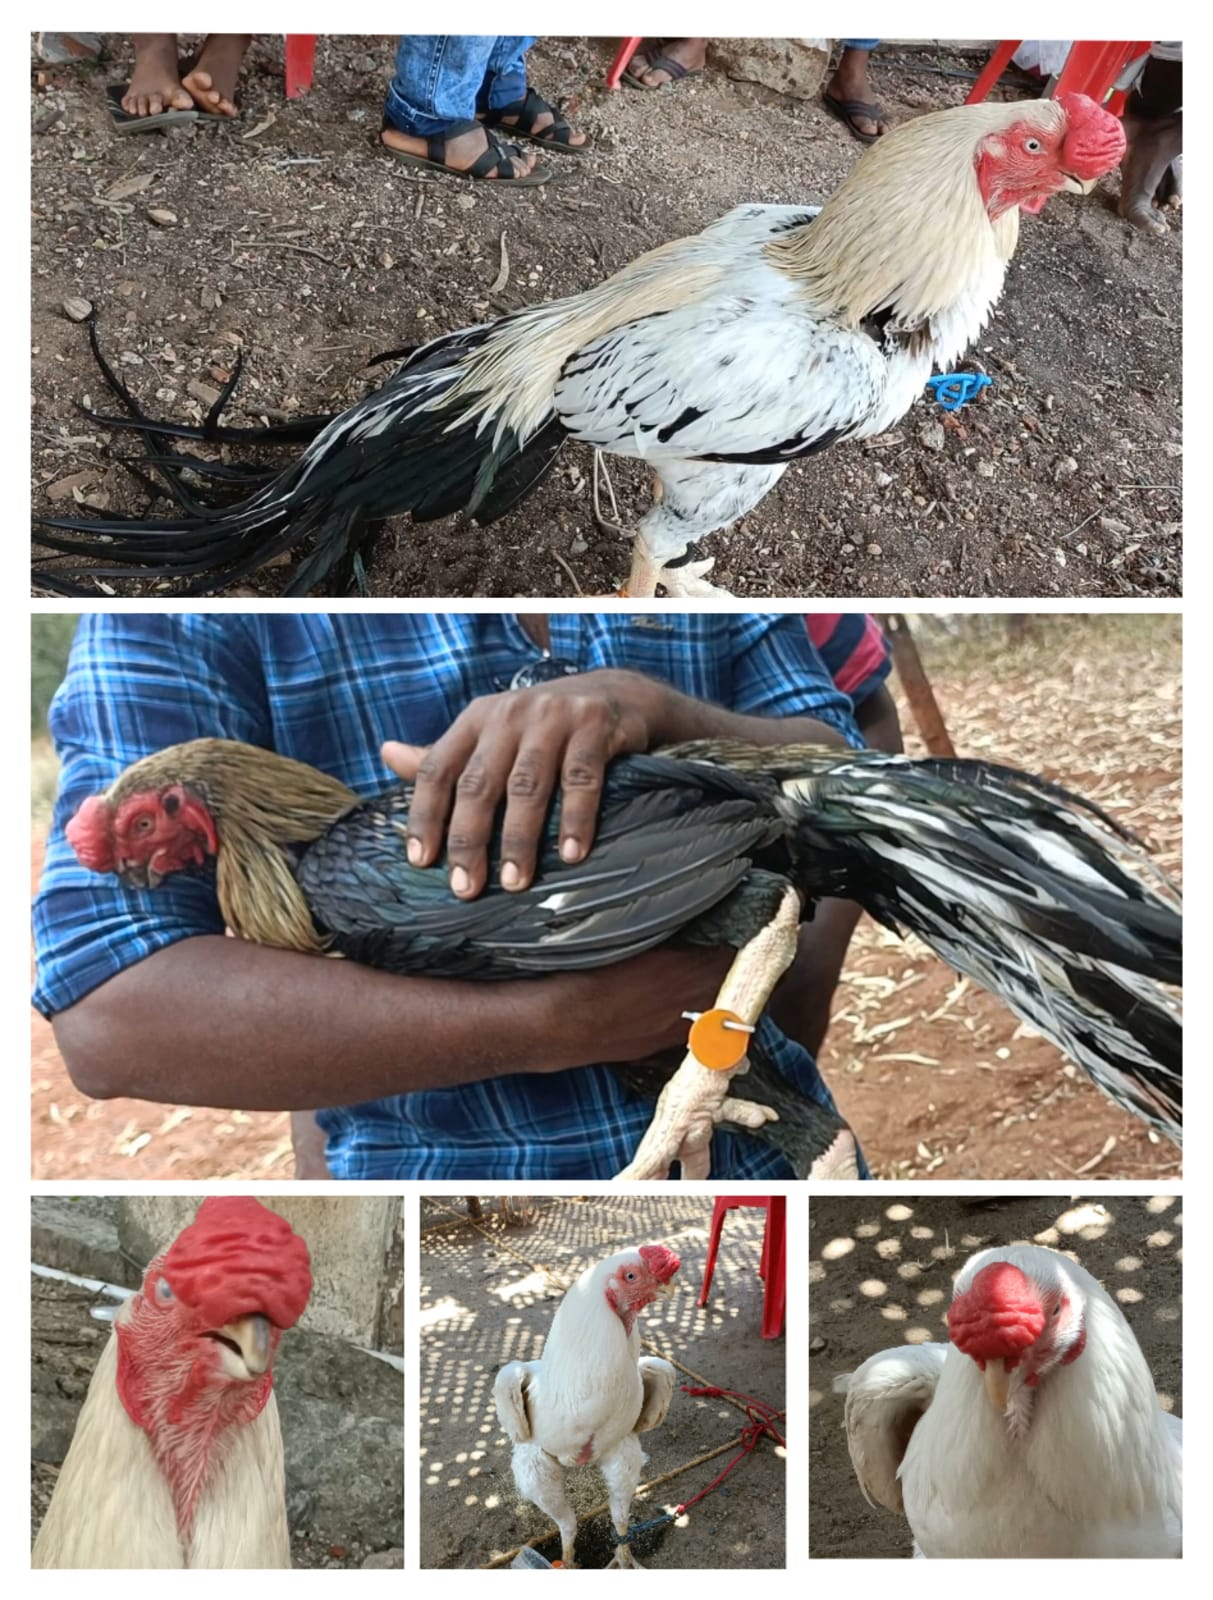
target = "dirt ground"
x: 937, y: 1078
x: 486, y: 1299
x: 74, y: 1137
x: 881, y: 1271
x: 292, y: 238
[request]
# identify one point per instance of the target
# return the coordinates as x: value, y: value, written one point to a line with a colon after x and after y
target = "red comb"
x: 1095, y: 139
x: 998, y: 1316
x: 238, y: 1257
x: 88, y: 833
x: 662, y: 1263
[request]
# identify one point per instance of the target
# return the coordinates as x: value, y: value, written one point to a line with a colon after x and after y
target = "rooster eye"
x: 1033, y: 146
x: 163, y: 1290
x: 630, y: 1276
x: 143, y: 824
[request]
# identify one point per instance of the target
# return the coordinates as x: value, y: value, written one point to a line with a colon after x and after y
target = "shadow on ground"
x: 880, y: 1274
x: 488, y: 1296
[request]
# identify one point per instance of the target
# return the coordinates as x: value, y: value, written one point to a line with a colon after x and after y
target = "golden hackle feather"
x: 262, y: 804
x: 908, y: 228
x: 509, y: 382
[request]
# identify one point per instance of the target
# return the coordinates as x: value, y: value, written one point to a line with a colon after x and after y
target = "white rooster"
x: 177, y: 1456
x: 1036, y: 1432
x: 590, y: 1395
x: 717, y: 360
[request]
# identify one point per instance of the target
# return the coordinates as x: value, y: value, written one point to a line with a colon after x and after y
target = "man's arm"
x: 215, y: 1021
x: 521, y: 747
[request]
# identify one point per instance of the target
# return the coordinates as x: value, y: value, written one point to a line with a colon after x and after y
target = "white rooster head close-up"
x: 197, y: 1349
x: 1020, y: 1313
x: 635, y: 1278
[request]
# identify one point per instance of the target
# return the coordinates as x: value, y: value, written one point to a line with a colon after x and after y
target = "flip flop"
x: 495, y: 158
x: 125, y: 122
x: 846, y: 110
x: 660, y: 63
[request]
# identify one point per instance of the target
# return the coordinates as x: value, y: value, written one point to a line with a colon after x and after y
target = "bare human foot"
x: 155, y: 84
x: 211, y: 81
x: 850, y: 82
x: 462, y: 152
x: 690, y: 54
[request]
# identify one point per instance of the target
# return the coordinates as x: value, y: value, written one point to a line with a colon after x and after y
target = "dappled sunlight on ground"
x: 881, y: 1273
x: 488, y: 1295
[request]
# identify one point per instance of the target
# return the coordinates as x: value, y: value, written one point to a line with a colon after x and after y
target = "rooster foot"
x: 686, y: 581
x: 697, y: 1098
x: 840, y: 1161
x: 623, y: 1558
x: 692, y: 1105
x: 689, y: 582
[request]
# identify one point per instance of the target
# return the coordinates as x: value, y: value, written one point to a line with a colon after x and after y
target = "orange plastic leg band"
x: 715, y: 1046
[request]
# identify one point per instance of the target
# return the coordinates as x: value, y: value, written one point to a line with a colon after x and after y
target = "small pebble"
x: 161, y: 217
x: 77, y: 308
x: 1066, y: 468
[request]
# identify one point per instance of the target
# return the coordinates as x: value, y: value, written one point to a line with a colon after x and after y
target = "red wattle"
x: 998, y: 1316
x: 662, y: 1263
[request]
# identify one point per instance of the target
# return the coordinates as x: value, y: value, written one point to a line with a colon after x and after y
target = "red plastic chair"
x: 622, y: 56
x: 300, y: 60
x: 773, y: 1269
x: 1092, y: 67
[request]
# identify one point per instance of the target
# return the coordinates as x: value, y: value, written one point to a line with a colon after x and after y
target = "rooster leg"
x: 697, y: 1097
x: 621, y: 1467
x: 679, y: 582
x: 540, y: 1479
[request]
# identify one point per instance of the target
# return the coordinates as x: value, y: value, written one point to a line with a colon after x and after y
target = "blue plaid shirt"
x: 328, y: 689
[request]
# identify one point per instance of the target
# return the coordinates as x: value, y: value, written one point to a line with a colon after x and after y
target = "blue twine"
x: 643, y: 1527
x: 955, y: 389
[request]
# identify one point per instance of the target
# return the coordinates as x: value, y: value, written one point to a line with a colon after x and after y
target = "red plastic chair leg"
x: 300, y: 61
x: 622, y: 56
x: 992, y: 71
x: 774, y: 1251
x: 719, y: 1212
x: 1093, y: 66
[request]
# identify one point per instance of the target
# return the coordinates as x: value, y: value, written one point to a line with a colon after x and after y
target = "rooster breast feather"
x: 885, y: 1398
x: 510, y: 1398
x: 747, y: 376
x: 658, y: 1378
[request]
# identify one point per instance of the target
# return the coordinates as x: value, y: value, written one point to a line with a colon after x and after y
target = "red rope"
x: 761, y: 1424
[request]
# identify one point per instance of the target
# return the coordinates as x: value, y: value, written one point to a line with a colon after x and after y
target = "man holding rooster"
x: 431, y: 1077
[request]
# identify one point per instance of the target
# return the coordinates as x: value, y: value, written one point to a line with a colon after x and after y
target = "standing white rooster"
x: 584, y: 1402
x: 1037, y: 1432
x: 717, y: 359
x: 177, y: 1456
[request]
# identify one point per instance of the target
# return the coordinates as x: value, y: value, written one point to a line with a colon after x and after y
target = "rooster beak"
x: 1075, y: 185
x: 666, y: 1290
x: 998, y: 1384
x: 252, y: 1335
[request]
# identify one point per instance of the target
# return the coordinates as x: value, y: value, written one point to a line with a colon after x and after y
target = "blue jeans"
x: 860, y: 44
x: 448, y: 77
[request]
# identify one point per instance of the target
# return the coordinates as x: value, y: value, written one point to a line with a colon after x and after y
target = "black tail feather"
x: 400, y: 451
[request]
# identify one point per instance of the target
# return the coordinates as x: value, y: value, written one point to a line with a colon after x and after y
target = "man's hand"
x: 633, y: 1009
x: 519, y: 747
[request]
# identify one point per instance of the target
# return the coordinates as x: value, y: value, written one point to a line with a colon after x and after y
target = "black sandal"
x: 495, y: 159
x: 528, y: 111
x: 674, y: 70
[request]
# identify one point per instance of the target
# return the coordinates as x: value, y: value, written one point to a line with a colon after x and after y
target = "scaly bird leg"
x: 683, y: 582
x: 696, y: 1098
